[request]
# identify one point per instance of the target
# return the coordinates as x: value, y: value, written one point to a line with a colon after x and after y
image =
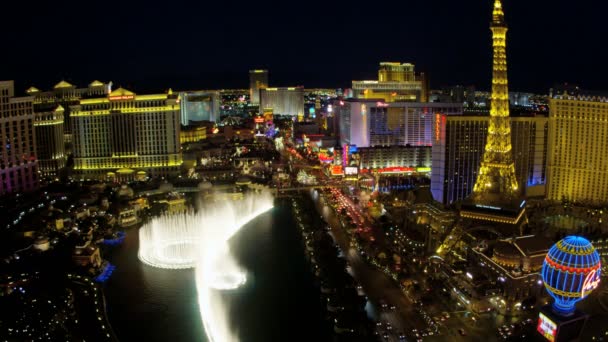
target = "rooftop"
x: 63, y: 84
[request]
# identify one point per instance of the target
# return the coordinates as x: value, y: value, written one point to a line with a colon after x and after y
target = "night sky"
x: 212, y: 44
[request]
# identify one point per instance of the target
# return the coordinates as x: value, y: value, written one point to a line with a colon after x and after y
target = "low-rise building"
x: 514, y: 264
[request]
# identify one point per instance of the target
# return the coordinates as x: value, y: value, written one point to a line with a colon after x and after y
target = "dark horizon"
x: 213, y: 45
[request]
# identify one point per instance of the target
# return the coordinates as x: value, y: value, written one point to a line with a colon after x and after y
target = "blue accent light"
x: 120, y: 238
x: 106, y: 273
x: 571, y: 271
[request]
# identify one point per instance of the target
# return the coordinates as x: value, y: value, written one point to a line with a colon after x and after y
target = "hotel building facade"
x: 127, y: 136
x: 458, y: 145
x: 578, y: 153
x: 282, y: 101
x: 373, y: 122
x: 258, y: 79
x: 18, y: 163
x: 66, y: 95
x: 50, y: 142
x: 199, y: 106
x: 396, y: 82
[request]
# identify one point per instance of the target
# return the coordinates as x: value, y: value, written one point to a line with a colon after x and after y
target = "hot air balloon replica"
x: 570, y: 272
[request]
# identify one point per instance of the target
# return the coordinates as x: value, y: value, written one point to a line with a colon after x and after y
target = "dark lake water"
x: 278, y: 303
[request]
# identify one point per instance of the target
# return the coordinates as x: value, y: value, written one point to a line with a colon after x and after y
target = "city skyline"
x: 213, y: 46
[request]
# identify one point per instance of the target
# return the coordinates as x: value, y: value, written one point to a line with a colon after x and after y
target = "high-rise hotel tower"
x: 126, y: 136
x: 258, y: 79
x: 578, y: 159
x: 18, y: 163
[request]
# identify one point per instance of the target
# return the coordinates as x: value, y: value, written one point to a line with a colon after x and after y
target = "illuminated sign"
x: 258, y: 119
x: 396, y: 169
x: 423, y: 169
x: 336, y: 170
x: 323, y: 157
x: 437, y: 127
x: 351, y: 170
x: 352, y: 149
x: 487, y: 207
x: 122, y: 97
x: 381, y: 104
x: 592, y: 281
x: 546, y: 327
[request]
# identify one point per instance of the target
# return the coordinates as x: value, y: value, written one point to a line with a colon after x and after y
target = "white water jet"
x: 200, y: 240
x: 170, y: 241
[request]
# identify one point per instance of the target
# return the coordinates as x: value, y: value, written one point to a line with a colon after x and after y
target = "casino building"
x: 18, y: 163
x: 578, y: 159
x: 513, y: 264
x: 458, y: 146
x: 50, y: 143
x: 126, y: 136
x: 396, y: 82
x: 374, y: 122
x: 66, y: 95
x: 416, y: 157
x: 282, y: 101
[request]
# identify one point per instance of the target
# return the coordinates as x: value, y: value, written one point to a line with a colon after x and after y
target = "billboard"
x: 351, y: 170
x: 336, y: 170
x: 396, y: 169
x: 546, y: 327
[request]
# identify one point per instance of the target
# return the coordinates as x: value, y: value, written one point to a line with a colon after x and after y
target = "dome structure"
x: 506, y: 254
x: 125, y: 191
x: 571, y: 271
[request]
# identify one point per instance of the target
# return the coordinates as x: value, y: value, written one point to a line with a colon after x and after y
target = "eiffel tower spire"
x: 496, y: 181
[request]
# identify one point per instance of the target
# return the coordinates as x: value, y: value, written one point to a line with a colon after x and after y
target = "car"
x: 462, y: 332
x: 392, y: 307
x: 385, y: 336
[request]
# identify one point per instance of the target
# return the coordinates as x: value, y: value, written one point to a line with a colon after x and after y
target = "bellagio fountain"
x: 199, y: 240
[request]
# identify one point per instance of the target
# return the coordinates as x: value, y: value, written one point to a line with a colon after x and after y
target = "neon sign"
x: 350, y: 170
x: 323, y: 157
x: 546, y: 327
x: 336, y: 170
x: 592, y: 281
x: 437, y: 126
x: 487, y: 207
x: 396, y: 169
x: 258, y: 119
x: 122, y: 97
x: 381, y: 104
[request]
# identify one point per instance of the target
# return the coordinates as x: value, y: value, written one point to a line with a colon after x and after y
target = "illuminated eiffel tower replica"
x: 496, y: 200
